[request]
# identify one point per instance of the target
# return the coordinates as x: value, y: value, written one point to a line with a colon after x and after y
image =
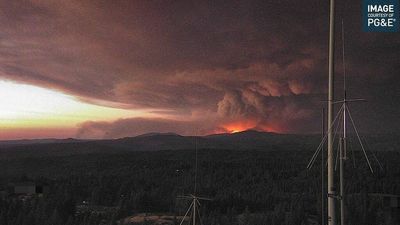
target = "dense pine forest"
x: 247, y: 187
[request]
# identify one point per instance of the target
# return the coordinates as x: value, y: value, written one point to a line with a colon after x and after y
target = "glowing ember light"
x: 239, y: 126
x: 244, y: 125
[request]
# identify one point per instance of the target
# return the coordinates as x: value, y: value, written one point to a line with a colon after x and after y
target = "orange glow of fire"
x: 239, y: 126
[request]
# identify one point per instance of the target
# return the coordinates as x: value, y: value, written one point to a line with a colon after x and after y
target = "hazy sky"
x: 107, y: 69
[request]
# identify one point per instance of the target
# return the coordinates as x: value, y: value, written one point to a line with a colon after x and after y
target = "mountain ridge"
x: 245, y: 140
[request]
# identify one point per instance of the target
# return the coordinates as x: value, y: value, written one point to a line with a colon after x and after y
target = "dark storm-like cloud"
x: 221, y: 61
x: 120, y: 47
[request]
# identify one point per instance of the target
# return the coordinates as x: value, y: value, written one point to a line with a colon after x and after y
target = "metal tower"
x: 193, y: 211
x: 342, y: 115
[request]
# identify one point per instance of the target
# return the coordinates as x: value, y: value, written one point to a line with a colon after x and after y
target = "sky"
x: 110, y: 69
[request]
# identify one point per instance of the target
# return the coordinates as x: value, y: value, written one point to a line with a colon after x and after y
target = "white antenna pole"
x: 195, y: 184
x: 341, y: 165
x: 343, y: 149
x: 195, y: 169
x: 331, y: 184
x: 323, y: 195
x: 193, y: 197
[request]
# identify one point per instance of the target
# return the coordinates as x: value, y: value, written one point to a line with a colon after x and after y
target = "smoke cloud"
x: 212, y: 65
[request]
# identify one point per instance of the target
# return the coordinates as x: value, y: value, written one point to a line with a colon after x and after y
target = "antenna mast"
x: 331, y: 185
x: 195, y: 200
x: 343, y: 149
x: 343, y: 112
x: 323, y: 195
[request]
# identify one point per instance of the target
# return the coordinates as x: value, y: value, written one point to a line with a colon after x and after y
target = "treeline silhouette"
x: 247, y: 187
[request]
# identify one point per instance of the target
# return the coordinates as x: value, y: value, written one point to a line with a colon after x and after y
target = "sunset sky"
x: 110, y: 69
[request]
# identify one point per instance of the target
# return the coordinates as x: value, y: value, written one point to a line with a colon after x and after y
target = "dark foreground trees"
x: 247, y: 187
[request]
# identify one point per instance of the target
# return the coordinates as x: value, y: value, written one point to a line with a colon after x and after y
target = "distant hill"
x: 10, y: 143
x: 246, y: 140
